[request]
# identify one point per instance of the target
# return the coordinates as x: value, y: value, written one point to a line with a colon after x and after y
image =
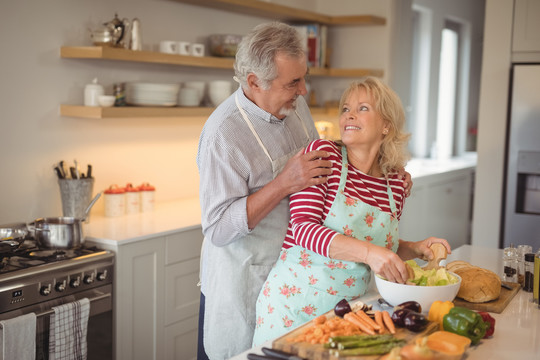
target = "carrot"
x: 368, y: 320
x: 388, y: 322
x: 319, y: 320
x: 319, y: 333
x: 379, y: 321
x: 358, y: 322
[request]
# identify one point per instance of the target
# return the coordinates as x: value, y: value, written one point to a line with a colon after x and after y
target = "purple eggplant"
x: 410, y: 305
x: 343, y: 307
x: 415, y: 321
x: 398, y: 317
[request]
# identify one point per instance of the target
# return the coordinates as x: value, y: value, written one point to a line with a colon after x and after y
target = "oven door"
x: 100, y: 322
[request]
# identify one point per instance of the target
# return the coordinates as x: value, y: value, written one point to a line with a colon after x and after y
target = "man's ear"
x: 253, y: 82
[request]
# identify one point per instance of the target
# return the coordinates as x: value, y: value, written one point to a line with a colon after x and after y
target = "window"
x: 439, y: 86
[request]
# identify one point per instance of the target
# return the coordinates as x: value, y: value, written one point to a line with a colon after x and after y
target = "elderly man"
x: 250, y: 159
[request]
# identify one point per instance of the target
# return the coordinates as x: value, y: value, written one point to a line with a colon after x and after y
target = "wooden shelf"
x: 285, y: 13
x: 90, y: 112
x: 111, y: 53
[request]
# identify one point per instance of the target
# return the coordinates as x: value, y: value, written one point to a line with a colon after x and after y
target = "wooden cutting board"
x: 318, y: 352
x: 495, y: 306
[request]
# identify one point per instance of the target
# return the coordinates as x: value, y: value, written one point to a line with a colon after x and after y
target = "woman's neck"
x: 365, y: 160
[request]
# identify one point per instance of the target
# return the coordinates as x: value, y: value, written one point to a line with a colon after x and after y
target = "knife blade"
x: 506, y: 286
x: 280, y: 354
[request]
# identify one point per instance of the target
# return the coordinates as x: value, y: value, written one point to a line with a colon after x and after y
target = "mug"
x: 197, y: 49
x: 184, y: 47
x: 168, y: 46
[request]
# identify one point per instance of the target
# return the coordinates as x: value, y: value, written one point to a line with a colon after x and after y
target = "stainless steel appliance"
x: 35, y: 280
x: 522, y: 183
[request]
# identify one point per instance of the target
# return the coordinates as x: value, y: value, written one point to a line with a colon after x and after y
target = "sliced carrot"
x: 319, y: 320
x: 380, y: 322
x: 367, y: 319
x: 356, y: 321
x: 388, y: 322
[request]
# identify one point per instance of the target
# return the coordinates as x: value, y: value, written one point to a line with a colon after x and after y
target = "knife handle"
x: 252, y: 356
x: 279, y: 354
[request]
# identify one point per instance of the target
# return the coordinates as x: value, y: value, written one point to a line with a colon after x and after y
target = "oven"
x: 34, y: 280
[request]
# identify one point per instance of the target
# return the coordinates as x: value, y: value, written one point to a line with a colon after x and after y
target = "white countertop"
x: 185, y: 214
x: 517, y: 328
x: 166, y: 218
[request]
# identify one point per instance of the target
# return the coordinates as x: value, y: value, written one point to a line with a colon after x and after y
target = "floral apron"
x: 303, y: 284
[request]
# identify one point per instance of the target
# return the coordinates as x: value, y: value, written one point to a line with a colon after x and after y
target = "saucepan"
x: 63, y: 232
x: 11, y: 239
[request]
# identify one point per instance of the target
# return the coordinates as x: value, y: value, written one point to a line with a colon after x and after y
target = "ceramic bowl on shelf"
x: 218, y: 91
x: 106, y: 100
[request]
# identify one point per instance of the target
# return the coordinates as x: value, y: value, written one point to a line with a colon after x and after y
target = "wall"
x: 35, y: 81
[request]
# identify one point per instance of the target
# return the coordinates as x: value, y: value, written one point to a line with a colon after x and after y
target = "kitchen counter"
x: 517, y: 328
x: 165, y: 219
x: 185, y: 214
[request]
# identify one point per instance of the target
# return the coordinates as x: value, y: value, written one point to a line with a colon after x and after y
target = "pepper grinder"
x: 135, y: 40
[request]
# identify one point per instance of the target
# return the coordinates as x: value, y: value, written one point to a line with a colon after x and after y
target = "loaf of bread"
x: 478, y: 285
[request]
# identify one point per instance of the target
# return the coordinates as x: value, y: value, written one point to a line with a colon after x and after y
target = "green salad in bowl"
x: 433, y: 277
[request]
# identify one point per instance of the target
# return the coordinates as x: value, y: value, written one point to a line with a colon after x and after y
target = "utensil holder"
x: 76, y: 194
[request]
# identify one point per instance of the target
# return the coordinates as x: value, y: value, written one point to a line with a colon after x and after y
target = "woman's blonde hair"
x: 393, y: 153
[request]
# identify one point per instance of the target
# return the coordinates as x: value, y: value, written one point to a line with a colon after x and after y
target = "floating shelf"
x: 285, y: 13
x: 112, y: 53
x: 92, y: 112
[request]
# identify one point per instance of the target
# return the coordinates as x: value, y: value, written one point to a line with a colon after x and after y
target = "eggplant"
x: 410, y: 305
x: 343, y: 307
x: 415, y: 321
x: 398, y: 317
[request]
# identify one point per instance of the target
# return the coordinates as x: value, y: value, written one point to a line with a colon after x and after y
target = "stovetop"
x: 29, y: 255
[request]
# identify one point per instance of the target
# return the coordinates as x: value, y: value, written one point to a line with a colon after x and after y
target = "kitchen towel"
x: 18, y: 338
x: 68, y: 330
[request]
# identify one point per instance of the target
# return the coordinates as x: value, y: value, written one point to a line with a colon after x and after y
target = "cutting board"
x: 318, y: 352
x: 495, y: 306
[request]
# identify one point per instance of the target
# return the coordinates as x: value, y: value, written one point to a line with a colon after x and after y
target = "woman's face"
x: 359, y: 122
x: 280, y: 98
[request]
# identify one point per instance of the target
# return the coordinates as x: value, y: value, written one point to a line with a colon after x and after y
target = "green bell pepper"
x: 465, y: 322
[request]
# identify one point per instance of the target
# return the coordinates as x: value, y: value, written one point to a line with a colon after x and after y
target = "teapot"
x: 112, y: 33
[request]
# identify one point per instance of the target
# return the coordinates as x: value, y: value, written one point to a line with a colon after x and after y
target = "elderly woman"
x: 342, y: 229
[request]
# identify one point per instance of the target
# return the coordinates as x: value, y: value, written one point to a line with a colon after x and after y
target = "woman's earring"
x: 385, y: 131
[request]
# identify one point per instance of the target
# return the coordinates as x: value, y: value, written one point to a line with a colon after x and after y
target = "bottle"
x: 119, y: 94
x: 92, y: 92
x: 522, y: 250
x: 529, y: 272
x: 536, y: 285
x: 510, y: 264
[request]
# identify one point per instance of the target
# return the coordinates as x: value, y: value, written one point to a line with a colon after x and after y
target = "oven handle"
x: 100, y: 297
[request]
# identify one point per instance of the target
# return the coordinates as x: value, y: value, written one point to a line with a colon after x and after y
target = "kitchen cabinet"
x: 254, y: 8
x: 156, y: 297
x: 441, y: 207
x: 526, y: 34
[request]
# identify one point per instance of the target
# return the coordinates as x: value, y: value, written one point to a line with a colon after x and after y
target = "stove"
x: 36, y: 280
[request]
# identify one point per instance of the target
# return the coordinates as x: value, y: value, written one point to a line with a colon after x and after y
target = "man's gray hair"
x: 257, y: 51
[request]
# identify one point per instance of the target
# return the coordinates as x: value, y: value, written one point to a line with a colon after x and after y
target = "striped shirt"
x: 232, y: 164
x: 310, y: 206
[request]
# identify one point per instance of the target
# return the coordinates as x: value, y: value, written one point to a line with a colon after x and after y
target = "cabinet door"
x: 448, y: 207
x: 412, y: 225
x: 139, y: 300
x: 526, y: 35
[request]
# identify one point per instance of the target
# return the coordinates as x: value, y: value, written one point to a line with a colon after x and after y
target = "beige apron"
x: 248, y: 262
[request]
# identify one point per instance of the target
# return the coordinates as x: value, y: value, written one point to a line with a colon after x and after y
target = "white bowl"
x: 106, y: 100
x: 396, y: 294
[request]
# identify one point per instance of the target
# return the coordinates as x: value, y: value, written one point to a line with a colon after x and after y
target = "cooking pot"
x: 62, y: 232
x: 11, y: 239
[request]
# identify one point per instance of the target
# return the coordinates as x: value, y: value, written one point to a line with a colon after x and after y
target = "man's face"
x: 280, y: 98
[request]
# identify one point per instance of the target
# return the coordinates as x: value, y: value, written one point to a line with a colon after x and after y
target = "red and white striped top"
x: 310, y: 206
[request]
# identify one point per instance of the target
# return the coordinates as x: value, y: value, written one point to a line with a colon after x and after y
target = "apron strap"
x: 343, y: 181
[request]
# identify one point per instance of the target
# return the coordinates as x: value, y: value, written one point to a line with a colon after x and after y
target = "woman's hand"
x: 422, y: 250
x: 407, y: 181
x: 386, y: 263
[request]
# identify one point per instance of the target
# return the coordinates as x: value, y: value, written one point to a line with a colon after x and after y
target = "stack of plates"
x: 149, y: 94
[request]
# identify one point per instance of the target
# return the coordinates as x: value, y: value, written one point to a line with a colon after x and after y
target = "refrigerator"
x: 521, y: 220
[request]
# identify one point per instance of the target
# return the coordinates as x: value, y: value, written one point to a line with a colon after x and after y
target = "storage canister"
x: 510, y: 264
x: 92, y: 93
x: 147, y: 197
x: 536, y: 285
x: 133, y: 203
x: 115, y: 201
x: 529, y: 272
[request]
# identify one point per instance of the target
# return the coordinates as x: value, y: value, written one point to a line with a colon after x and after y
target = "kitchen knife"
x: 278, y: 354
x: 506, y: 286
